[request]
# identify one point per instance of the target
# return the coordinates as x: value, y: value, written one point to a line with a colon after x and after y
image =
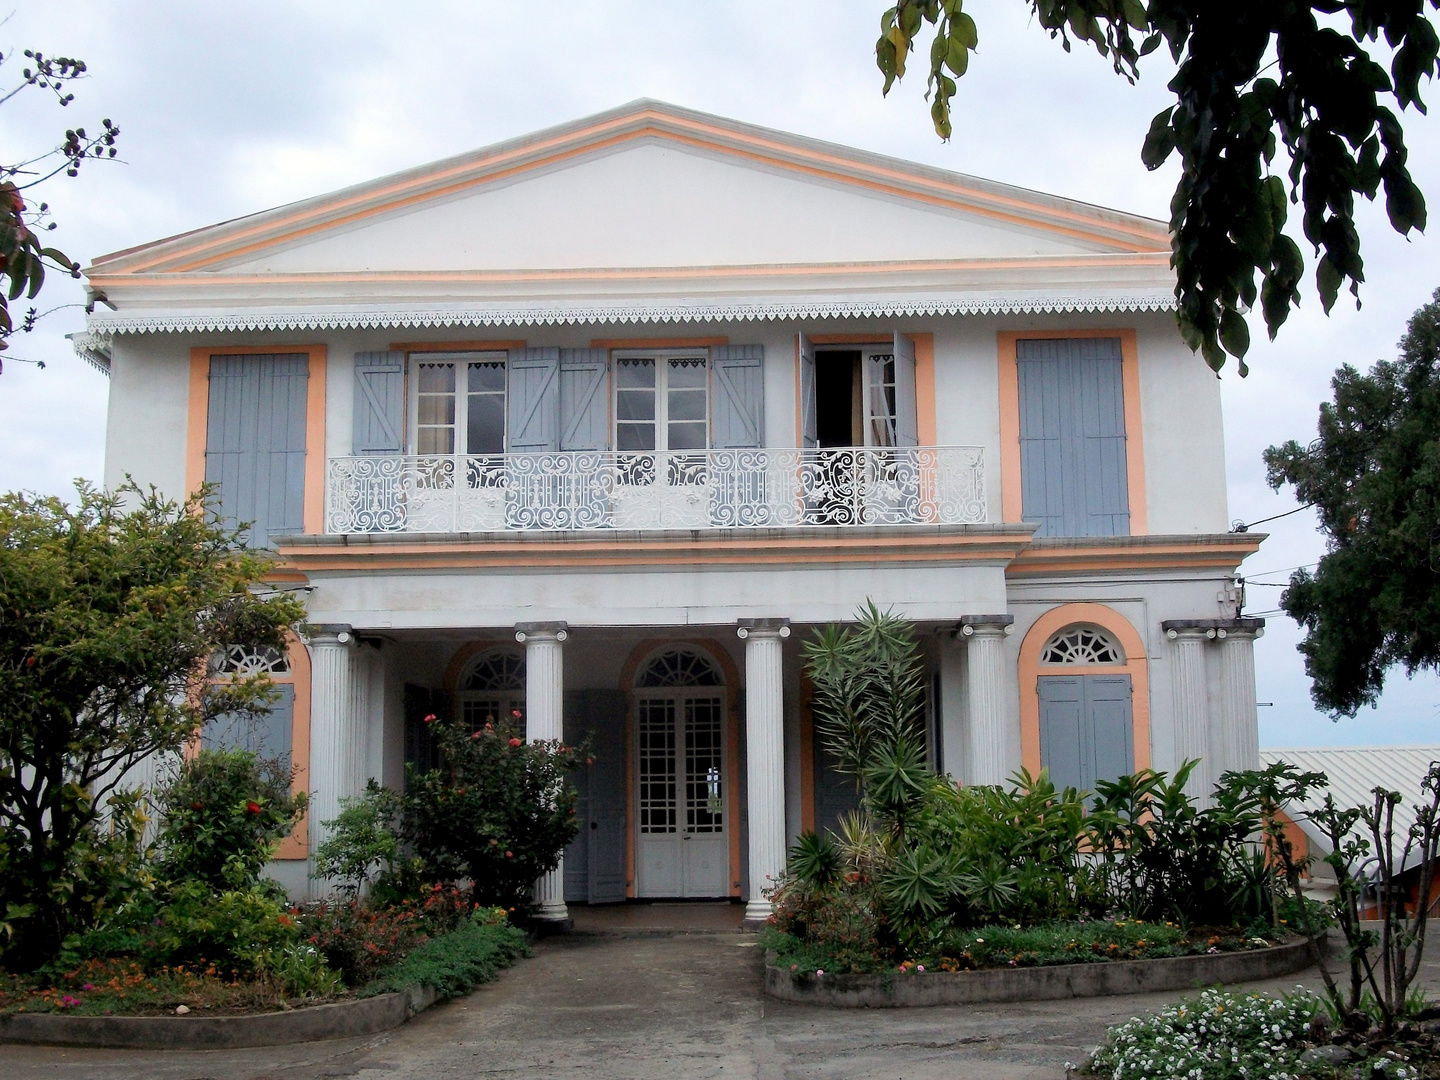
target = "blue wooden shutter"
x: 268, y: 734
x: 1074, y: 480
x: 255, y: 442
x: 1062, y: 729
x: 809, y: 430
x: 738, y: 399
x: 584, y: 405
x: 1111, y: 734
x: 533, y: 399
x: 379, y: 421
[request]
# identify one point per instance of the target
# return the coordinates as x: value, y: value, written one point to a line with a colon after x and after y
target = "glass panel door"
x: 682, y: 847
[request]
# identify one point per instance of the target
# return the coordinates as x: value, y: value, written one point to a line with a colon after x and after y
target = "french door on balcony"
x: 682, y: 841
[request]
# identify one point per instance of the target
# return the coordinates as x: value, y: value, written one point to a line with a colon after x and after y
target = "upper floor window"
x: 858, y: 395
x: 459, y: 404
x: 1074, y: 478
x: 662, y: 402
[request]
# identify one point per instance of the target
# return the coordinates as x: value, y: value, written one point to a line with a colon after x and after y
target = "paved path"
x: 603, y: 1006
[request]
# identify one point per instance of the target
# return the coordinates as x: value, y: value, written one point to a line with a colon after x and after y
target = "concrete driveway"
x: 595, y: 1005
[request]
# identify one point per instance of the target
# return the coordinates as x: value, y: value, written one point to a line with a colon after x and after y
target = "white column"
x: 764, y: 759
x: 545, y: 721
x: 335, y: 770
x: 1235, y: 737
x: 1190, y: 704
x: 986, y: 750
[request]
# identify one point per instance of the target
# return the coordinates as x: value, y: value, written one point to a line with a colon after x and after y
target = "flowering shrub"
x: 498, y: 812
x: 1217, y: 1037
x: 359, y: 939
x: 223, y: 813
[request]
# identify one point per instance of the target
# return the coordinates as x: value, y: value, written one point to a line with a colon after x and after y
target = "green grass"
x: 1092, y: 941
x: 454, y: 963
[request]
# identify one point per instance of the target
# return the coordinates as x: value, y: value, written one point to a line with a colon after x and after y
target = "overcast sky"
x: 229, y: 109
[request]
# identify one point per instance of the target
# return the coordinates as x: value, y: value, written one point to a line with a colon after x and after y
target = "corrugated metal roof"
x: 1353, y: 772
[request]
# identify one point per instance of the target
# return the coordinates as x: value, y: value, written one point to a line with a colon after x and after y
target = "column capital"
x: 1212, y: 629
x: 334, y: 635
x: 541, y: 631
x: 985, y: 626
x: 762, y: 628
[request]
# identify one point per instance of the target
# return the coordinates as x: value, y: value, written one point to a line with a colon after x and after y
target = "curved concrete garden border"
x: 1035, y: 983
x: 341, y: 1020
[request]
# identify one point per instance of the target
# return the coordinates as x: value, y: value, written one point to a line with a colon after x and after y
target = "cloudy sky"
x: 229, y: 109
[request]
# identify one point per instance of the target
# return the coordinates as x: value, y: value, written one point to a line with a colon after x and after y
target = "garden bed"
x: 915, y: 986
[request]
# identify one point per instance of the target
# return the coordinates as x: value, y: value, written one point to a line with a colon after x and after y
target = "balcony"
x: 704, y: 489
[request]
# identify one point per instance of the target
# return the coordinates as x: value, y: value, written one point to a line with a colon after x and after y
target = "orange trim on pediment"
x: 1223, y: 553
x: 205, y: 248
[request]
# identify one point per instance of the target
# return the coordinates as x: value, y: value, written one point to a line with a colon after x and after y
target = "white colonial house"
x: 599, y: 423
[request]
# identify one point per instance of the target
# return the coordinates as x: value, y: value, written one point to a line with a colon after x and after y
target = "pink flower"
x: 819, y: 974
x: 429, y: 719
x: 920, y: 967
x: 87, y: 986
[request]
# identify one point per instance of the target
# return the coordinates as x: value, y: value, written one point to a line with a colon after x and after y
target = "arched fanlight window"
x: 678, y: 667
x: 244, y: 661
x: 492, y: 689
x: 1082, y: 645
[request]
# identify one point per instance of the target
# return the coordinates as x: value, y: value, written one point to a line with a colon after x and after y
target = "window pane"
x: 437, y: 408
x: 687, y: 373
x: 485, y: 424
x: 631, y: 436
x: 635, y: 373
x: 489, y: 375
x: 437, y: 378
x: 687, y: 436
x: 634, y: 405
x: 435, y: 440
x: 687, y: 404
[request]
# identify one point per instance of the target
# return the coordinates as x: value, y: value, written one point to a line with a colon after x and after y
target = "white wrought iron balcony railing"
x: 692, y: 489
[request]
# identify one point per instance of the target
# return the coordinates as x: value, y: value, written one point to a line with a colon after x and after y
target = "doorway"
x: 682, y: 842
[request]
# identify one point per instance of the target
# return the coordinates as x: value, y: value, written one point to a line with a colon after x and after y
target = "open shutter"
x: 379, y: 425
x: 738, y: 422
x: 809, y: 432
x: 534, y: 400
x: 583, y: 409
x: 255, y: 442
x: 907, y: 429
x: 1072, y: 437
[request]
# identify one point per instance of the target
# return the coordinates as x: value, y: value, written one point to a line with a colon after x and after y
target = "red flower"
x: 509, y: 854
x: 515, y: 713
x: 197, y: 806
x: 430, y: 719
x: 514, y: 742
x: 489, y: 726
x: 252, y: 806
x: 476, y: 734
x: 589, y: 761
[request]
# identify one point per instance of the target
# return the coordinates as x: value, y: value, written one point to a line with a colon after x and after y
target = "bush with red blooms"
x: 359, y: 938
x: 223, y: 813
x: 497, y: 812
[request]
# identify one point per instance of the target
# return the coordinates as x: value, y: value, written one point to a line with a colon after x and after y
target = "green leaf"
x: 957, y: 57
x: 963, y: 27
x: 1328, y: 280
x: 1234, y: 334
x: 1159, y: 141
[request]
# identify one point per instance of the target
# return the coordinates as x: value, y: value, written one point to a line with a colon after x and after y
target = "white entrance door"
x: 682, y: 849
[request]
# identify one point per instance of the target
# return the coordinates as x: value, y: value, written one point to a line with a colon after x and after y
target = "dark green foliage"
x: 110, y: 610
x: 1254, y: 76
x: 869, y: 688
x: 499, y: 811
x: 1373, y: 476
x: 360, y: 938
x: 457, y: 962
x: 224, y: 811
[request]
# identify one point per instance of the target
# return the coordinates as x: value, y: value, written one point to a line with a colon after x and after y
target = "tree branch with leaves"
x: 1252, y: 76
x: 24, y: 254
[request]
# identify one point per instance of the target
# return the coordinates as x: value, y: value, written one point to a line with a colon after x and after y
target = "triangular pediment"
x: 648, y: 186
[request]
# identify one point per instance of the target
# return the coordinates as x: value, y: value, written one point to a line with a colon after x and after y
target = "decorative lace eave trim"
x: 104, y: 327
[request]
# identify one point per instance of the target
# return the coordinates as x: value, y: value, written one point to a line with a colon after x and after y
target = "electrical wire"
x: 1241, y: 526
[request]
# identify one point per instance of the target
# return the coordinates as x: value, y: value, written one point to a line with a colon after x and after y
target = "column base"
x: 757, y: 914
x: 551, y: 912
